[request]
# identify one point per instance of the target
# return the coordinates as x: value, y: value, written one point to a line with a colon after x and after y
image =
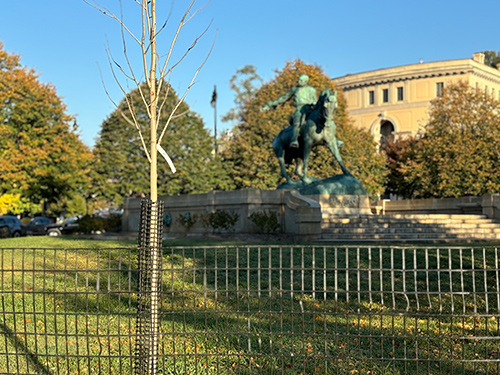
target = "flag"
x: 214, y: 97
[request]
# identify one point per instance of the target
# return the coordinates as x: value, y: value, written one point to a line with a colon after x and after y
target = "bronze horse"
x: 318, y: 129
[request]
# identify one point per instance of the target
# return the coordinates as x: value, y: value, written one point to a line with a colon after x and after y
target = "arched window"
x: 386, y: 133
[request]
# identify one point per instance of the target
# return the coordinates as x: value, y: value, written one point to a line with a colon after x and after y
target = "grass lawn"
x: 73, y: 242
x: 62, y: 242
x: 254, y: 309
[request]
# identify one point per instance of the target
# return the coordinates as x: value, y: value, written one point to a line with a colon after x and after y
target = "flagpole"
x: 214, y: 104
x: 215, y: 128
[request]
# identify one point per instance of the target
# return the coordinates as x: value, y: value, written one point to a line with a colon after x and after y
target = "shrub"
x: 187, y: 221
x: 114, y: 223
x: 5, y: 232
x: 266, y: 222
x: 220, y: 220
x: 89, y: 224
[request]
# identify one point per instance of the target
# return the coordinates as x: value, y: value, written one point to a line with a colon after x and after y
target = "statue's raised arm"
x: 282, y: 99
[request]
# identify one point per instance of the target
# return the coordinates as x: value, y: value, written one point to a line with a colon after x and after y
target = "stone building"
x: 394, y: 102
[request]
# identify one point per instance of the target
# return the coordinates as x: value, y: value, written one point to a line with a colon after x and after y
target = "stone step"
x: 388, y: 220
x: 383, y: 220
x: 439, y: 217
x: 409, y: 236
x: 445, y: 226
x: 435, y: 216
x: 489, y: 231
x: 410, y: 227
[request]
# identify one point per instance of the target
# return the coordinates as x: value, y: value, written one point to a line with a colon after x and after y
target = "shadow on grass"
x: 22, y: 351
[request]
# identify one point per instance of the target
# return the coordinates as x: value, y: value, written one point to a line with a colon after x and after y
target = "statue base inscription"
x: 343, y: 205
x: 342, y: 184
x: 341, y: 195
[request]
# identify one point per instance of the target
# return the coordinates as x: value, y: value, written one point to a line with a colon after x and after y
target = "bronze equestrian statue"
x: 319, y: 128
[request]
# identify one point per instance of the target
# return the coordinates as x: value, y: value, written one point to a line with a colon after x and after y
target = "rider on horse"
x: 304, y: 99
x: 319, y: 129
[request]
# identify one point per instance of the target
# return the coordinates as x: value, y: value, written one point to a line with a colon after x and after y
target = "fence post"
x: 148, y: 297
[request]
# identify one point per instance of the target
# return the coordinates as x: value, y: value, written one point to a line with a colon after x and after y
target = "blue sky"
x: 65, y: 42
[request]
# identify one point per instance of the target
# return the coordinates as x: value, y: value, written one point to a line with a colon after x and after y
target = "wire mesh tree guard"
x: 148, y: 297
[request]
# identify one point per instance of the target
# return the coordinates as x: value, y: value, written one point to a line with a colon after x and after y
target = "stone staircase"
x: 410, y: 227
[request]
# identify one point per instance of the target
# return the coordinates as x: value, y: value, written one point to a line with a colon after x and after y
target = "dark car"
x: 68, y: 226
x: 10, y: 226
x: 36, y: 226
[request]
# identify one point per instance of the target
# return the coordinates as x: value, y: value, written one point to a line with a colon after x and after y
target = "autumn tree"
x: 123, y: 169
x: 458, y: 153
x: 398, y: 153
x: 41, y: 155
x: 250, y: 149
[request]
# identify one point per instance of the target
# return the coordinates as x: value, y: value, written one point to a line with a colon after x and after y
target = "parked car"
x: 13, y: 224
x: 68, y: 226
x: 36, y: 226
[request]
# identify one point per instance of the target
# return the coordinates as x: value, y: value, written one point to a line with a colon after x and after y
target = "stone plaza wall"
x: 488, y: 204
x: 298, y: 216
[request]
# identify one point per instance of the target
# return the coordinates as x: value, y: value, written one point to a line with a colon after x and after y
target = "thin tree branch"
x: 164, y: 73
x: 185, y: 92
x: 131, y: 78
x: 133, y: 122
x: 147, y: 44
x: 101, y: 8
x: 174, y: 40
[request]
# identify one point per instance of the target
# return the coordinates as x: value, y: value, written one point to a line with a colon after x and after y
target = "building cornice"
x: 418, y: 71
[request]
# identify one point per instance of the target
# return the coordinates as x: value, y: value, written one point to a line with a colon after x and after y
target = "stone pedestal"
x: 343, y: 205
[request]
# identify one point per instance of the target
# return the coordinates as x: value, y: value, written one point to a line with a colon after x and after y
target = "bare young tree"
x: 156, y: 68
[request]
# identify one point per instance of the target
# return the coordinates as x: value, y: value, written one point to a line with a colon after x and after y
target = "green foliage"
x: 250, y: 152
x: 114, y: 223
x: 398, y: 154
x: 74, y: 204
x: 220, y: 220
x: 267, y: 222
x: 15, y: 204
x: 122, y: 169
x: 92, y: 224
x: 88, y: 224
x: 187, y: 221
x: 459, y: 152
x: 9, y: 203
x: 5, y: 232
x: 41, y: 155
x: 492, y: 58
